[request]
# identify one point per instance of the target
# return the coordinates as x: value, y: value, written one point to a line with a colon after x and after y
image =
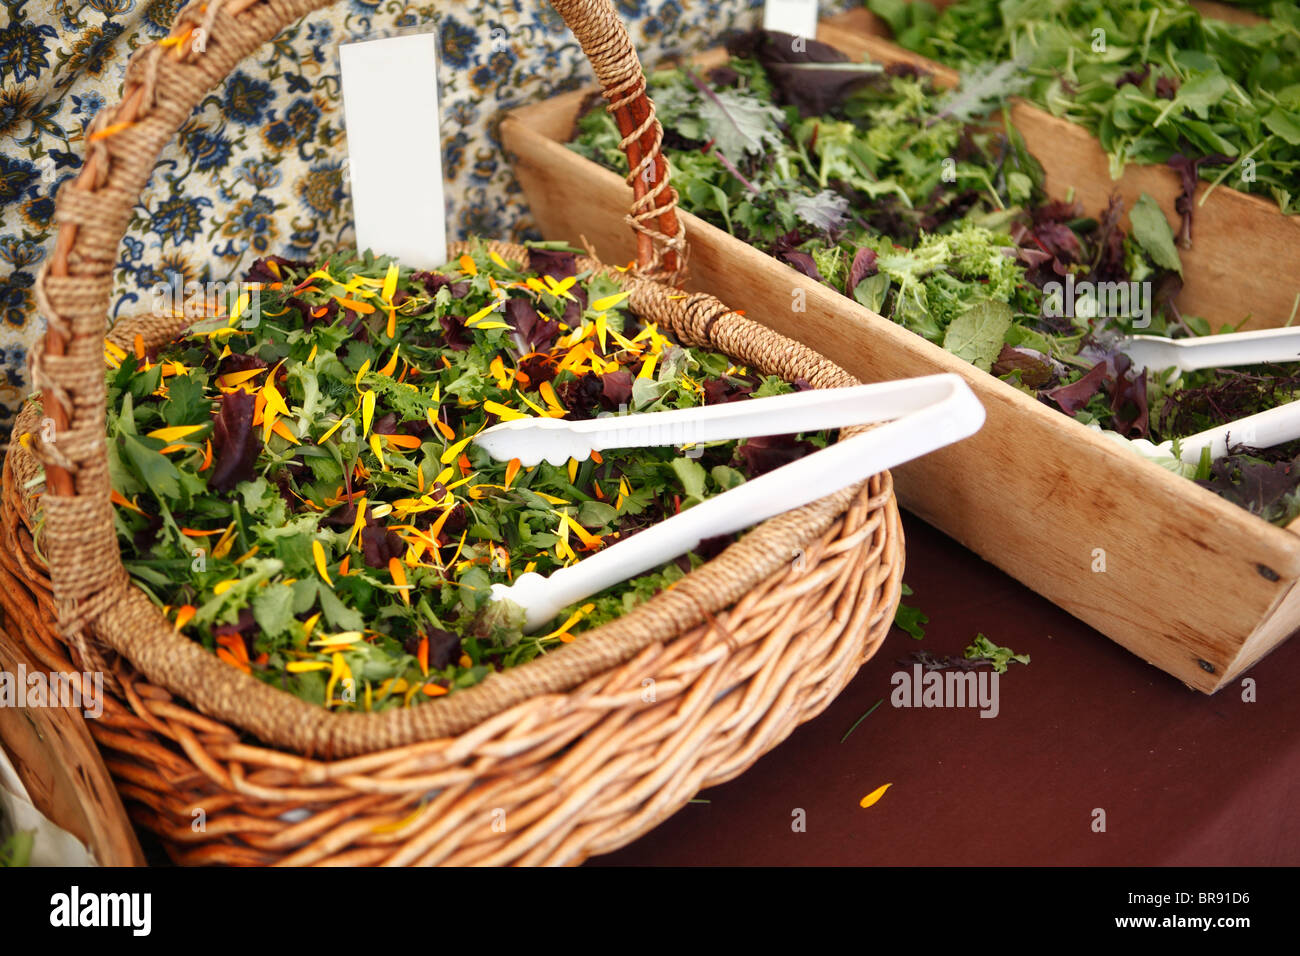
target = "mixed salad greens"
x: 15, y: 845
x: 917, y: 204
x: 1157, y: 81
x: 17, y: 849
x: 296, y: 485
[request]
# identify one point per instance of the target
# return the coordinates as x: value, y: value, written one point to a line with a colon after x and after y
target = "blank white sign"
x: 390, y: 106
x: 798, y: 17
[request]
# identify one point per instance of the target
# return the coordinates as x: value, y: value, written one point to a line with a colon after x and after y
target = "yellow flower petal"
x: 225, y: 542
x: 274, y: 400
x: 574, y: 618
x: 551, y: 498
x: 318, y: 552
x: 589, y: 540
x: 561, y: 288
x: 608, y: 301
x: 341, y: 639
x: 309, y: 625
x: 481, y: 313
x: 231, y: 379
x: 452, y: 451
x: 367, y: 411
x: 390, y: 283
x: 305, y: 667
x: 332, y: 429
x: 338, y: 669
x: 504, y: 412
x: 240, y: 305
x: 175, y: 432
x: 535, y: 407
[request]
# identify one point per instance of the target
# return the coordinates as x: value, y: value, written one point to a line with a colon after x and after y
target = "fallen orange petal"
x: 874, y: 796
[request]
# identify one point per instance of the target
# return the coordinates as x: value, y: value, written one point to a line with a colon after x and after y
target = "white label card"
x: 390, y: 107
x: 797, y: 17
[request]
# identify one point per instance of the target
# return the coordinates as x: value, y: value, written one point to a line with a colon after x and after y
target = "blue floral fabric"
x: 259, y: 166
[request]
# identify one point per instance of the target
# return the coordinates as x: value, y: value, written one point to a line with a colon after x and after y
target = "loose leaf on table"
x: 984, y: 649
x: 911, y: 620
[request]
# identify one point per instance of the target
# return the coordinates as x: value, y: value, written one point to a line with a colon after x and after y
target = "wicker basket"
x: 575, y: 753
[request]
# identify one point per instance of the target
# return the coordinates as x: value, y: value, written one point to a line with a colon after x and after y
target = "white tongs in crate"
x: 1276, y: 426
x: 923, y: 414
x: 1257, y: 347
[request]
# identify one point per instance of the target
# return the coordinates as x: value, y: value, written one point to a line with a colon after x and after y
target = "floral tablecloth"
x: 259, y: 166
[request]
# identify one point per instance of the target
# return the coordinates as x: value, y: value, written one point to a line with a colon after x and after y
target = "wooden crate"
x: 1196, y: 586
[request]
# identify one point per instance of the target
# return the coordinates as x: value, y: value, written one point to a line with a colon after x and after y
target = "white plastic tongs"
x: 1256, y: 347
x: 1276, y: 426
x: 923, y: 414
x: 1263, y: 430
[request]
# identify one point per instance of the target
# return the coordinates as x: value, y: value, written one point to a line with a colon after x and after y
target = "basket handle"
x: 165, y: 81
x: 660, y: 237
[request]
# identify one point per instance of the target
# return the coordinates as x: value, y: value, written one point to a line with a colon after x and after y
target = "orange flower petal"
x: 398, y: 573
x: 874, y: 796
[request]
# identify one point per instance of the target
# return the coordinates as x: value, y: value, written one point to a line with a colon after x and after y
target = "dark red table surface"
x: 1184, y: 779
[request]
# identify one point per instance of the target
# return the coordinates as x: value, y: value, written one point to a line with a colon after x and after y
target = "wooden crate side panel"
x: 1281, y: 623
